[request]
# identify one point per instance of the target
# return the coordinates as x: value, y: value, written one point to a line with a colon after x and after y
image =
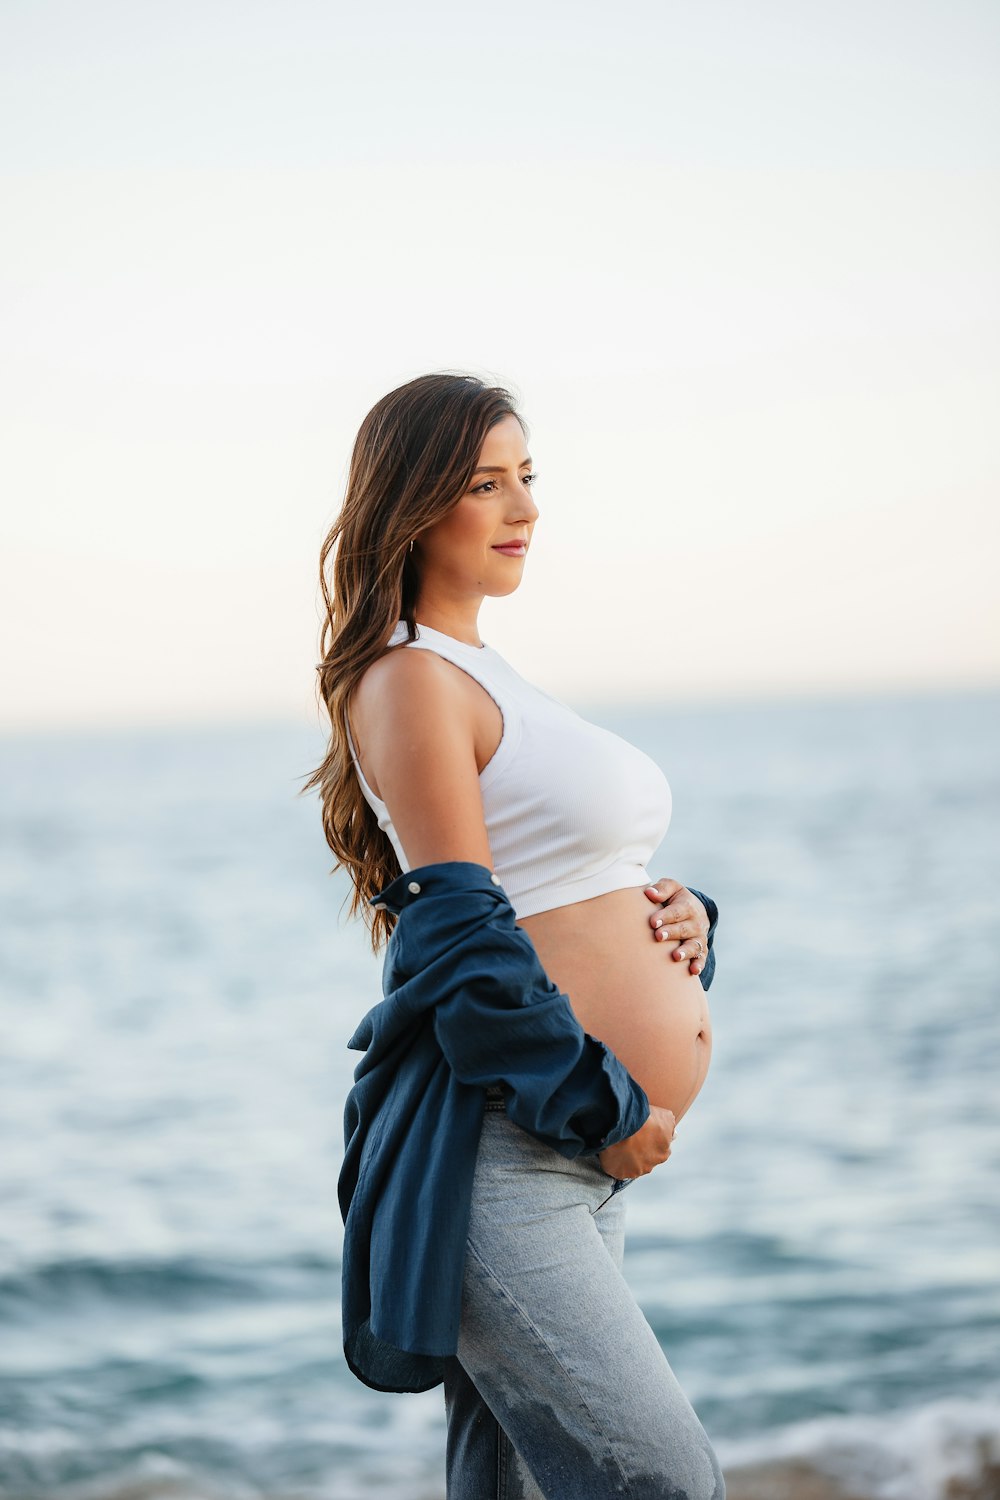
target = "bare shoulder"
x: 403, y: 687
x: 415, y: 733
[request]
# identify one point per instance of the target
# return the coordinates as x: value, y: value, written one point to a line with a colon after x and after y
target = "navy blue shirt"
x: 466, y: 1003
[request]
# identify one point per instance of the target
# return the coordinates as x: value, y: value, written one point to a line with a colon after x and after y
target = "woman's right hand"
x: 639, y: 1153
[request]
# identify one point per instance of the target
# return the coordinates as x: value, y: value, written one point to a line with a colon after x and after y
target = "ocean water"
x: 820, y: 1257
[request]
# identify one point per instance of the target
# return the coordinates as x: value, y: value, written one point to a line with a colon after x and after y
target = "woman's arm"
x: 419, y: 741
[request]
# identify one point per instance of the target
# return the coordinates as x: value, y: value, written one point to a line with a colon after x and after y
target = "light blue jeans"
x: 560, y: 1390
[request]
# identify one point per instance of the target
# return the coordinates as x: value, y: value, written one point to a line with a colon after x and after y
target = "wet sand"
x: 788, y: 1479
x: 785, y: 1481
x: 799, y: 1481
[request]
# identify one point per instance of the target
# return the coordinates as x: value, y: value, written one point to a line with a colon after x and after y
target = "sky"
x: 737, y: 263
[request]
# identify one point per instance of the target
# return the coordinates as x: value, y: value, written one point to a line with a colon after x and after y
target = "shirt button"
x: 378, y: 906
x: 414, y: 887
x: 495, y: 879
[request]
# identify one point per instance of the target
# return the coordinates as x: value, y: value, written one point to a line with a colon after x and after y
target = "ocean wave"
x: 182, y: 1280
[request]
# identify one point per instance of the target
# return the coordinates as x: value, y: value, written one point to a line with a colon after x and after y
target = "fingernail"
x: 658, y: 922
x: 681, y: 953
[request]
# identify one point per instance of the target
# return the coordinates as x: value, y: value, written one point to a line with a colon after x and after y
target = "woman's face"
x: 460, y: 556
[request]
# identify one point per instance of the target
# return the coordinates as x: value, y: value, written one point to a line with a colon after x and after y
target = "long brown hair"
x: 413, y: 459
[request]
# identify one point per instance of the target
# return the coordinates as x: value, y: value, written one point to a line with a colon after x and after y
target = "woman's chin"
x: 497, y: 589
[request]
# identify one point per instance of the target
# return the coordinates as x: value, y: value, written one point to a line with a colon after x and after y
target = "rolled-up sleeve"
x: 708, y: 972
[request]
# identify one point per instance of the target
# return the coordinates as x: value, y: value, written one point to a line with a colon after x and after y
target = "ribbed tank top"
x: 571, y: 810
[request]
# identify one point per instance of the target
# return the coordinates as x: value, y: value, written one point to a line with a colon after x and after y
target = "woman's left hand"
x: 680, y: 916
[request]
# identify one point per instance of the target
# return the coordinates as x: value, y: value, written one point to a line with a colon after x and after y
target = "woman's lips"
x: 511, y: 549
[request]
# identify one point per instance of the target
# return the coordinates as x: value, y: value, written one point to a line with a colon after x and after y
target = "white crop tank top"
x: 571, y: 810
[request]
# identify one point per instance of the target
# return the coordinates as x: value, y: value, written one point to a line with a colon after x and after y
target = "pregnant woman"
x: 544, y: 1023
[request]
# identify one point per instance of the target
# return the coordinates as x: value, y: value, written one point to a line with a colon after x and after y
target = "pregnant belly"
x: 626, y: 989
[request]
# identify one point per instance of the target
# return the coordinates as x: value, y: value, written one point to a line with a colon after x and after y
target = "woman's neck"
x: 461, y: 623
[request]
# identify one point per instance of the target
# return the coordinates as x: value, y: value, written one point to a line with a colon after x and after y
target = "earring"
x: 412, y: 539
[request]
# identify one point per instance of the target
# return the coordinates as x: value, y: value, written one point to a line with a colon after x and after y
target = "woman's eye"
x: 480, y: 488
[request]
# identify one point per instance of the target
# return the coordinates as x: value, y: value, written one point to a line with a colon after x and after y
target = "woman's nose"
x: 526, y: 508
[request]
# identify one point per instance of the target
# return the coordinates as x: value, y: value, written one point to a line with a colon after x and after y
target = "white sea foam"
x: 916, y: 1454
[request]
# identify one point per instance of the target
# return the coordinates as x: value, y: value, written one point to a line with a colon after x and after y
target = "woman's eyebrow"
x: 498, y: 468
